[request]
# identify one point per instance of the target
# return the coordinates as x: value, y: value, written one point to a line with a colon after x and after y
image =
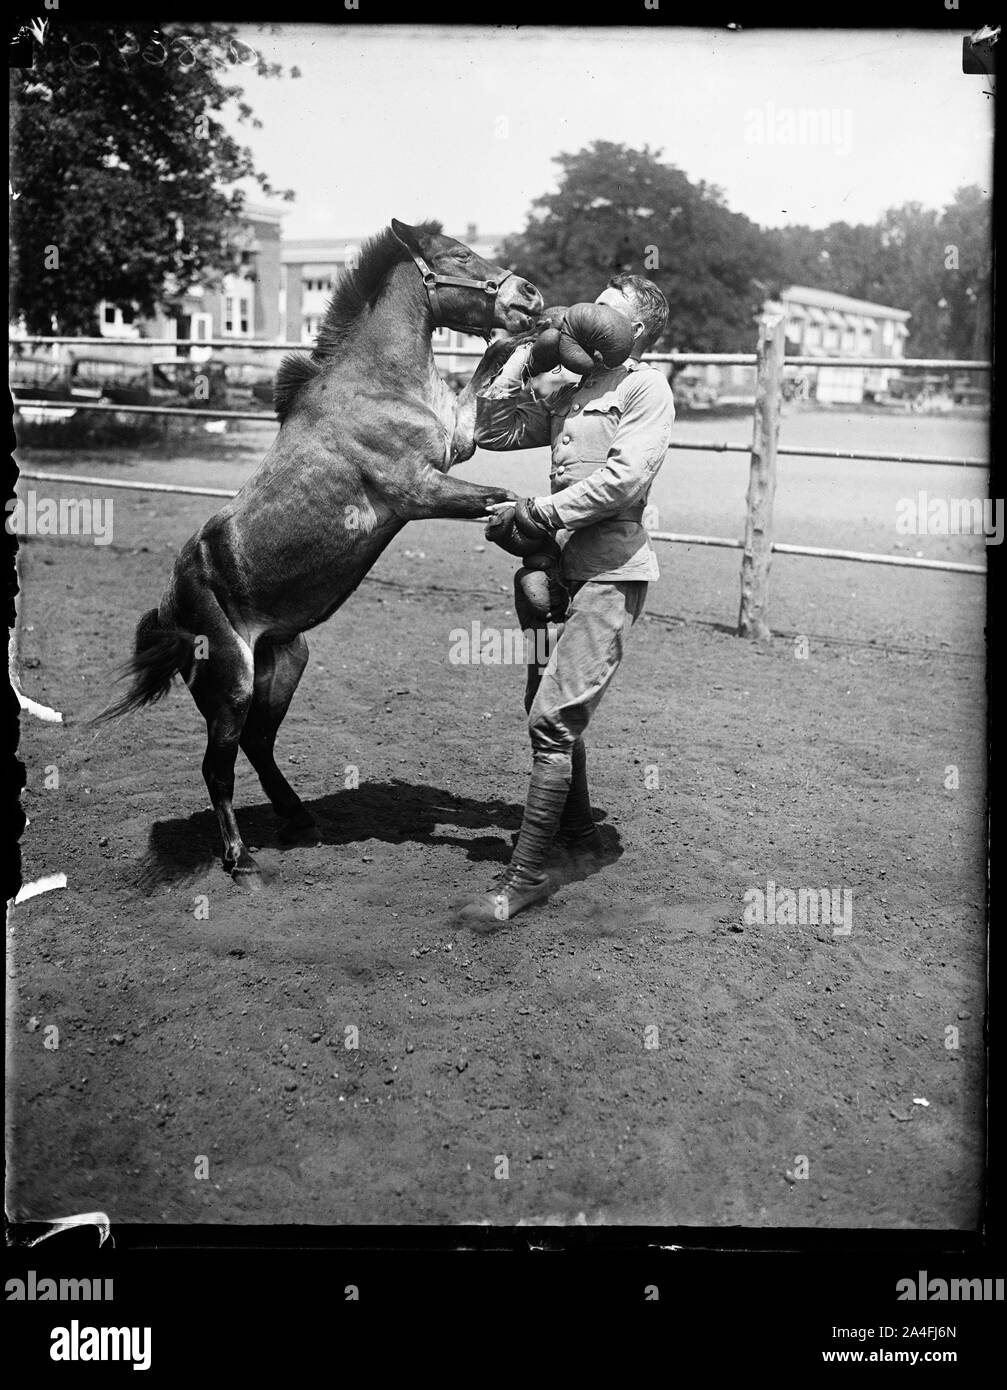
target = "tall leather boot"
x: 579, y: 840
x: 524, y: 880
x: 577, y: 821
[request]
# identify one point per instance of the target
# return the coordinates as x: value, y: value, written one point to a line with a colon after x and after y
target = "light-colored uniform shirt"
x: 609, y: 437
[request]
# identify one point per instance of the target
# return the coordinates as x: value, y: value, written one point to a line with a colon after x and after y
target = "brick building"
x: 244, y: 305
x: 310, y: 268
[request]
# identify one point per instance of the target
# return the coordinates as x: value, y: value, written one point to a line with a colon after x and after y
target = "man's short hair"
x: 649, y: 303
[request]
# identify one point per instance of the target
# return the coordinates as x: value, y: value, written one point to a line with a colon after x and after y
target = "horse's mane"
x: 356, y: 290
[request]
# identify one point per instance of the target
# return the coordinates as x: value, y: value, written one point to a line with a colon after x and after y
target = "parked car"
x: 971, y: 388
x: 692, y: 391
x: 186, y: 381
x: 249, y: 381
x: 38, y: 378
x: 795, y: 384
x: 108, y: 380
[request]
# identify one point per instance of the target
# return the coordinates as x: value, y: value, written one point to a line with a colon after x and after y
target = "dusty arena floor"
x: 635, y: 1050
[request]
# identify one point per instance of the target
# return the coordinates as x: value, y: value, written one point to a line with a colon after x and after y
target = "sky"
x: 462, y: 124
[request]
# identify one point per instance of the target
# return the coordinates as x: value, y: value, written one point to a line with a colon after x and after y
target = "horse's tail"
x: 157, y: 654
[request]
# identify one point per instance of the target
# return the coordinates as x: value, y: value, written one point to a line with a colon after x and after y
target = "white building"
x: 823, y: 324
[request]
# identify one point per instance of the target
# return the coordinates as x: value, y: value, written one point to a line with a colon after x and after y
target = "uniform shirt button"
x: 575, y: 406
x: 565, y: 439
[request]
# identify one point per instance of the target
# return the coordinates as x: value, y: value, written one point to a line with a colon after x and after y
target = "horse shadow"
x: 395, y: 811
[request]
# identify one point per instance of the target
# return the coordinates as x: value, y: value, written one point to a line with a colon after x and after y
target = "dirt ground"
x: 632, y: 1052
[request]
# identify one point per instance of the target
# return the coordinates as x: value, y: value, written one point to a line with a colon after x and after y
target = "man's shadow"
x: 395, y: 811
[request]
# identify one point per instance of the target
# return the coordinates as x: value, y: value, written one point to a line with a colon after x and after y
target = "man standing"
x: 609, y: 436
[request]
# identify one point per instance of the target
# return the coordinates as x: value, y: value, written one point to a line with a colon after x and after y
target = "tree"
x: 123, y: 173
x: 619, y: 209
x: 936, y: 264
x: 843, y: 258
x: 966, y: 229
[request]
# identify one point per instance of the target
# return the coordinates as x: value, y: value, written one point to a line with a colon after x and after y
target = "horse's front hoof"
x: 246, y: 873
x: 249, y: 880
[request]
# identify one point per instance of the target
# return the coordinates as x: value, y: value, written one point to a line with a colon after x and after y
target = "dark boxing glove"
x: 515, y: 530
x: 498, y: 354
x: 580, y: 338
x: 545, y: 354
x: 540, y: 596
x: 594, y: 335
x: 530, y: 524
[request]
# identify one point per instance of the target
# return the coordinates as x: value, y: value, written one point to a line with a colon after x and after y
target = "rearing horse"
x: 368, y: 431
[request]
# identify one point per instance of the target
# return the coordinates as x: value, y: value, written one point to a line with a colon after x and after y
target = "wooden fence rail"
x: 758, y: 545
x: 739, y: 359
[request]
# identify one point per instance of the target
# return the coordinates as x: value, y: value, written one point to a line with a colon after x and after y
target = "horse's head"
x: 465, y: 291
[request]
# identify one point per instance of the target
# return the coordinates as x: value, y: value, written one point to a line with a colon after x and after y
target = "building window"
x: 850, y: 341
x: 811, y: 336
x: 309, y: 332
x: 237, y: 310
x: 114, y: 322
x: 831, y: 338
x: 888, y: 332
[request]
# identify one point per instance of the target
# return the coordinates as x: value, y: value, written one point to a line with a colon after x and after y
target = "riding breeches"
x: 561, y: 698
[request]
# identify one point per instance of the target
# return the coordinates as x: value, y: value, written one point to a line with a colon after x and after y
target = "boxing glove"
x: 513, y: 529
x: 540, y: 596
x: 594, y: 335
x: 545, y: 353
x: 580, y: 338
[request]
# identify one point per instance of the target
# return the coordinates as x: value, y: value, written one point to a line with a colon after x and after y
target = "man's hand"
x: 533, y: 503
x: 531, y: 522
x: 531, y: 510
x: 516, y: 528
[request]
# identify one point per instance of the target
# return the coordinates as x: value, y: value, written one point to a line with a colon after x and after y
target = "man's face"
x: 615, y: 299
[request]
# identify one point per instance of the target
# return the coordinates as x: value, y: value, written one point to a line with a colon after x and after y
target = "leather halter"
x: 431, y: 281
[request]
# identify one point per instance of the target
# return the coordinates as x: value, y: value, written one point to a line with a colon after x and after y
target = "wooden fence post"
x: 758, y: 548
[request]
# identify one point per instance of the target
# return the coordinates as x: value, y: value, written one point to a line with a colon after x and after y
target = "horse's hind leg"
x: 278, y: 668
x: 222, y: 684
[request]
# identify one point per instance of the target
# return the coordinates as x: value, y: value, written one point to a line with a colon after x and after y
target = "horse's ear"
x: 407, y: 235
